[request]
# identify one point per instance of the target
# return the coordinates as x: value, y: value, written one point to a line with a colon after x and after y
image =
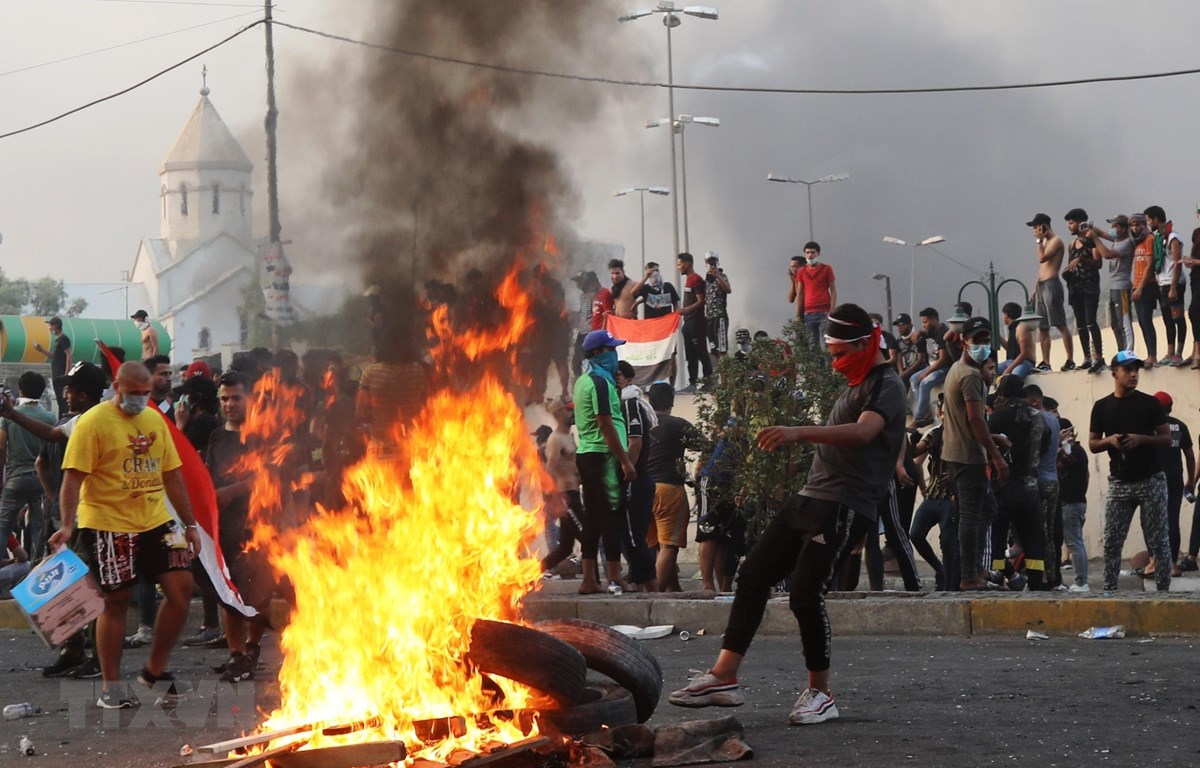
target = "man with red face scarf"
x: 813, y: 532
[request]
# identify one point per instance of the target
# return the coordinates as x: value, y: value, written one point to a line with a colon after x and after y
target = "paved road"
x: 918, y: 701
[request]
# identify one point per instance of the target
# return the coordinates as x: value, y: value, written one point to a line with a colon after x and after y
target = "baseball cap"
x: 198, y: 368
x: 1076, y: 214
x: 711, y: 257
x: 1139, y: 217
x: 1038, y: 219
x: 141, y: 314
x: 598, y: 339
x: 1120, y: 220
x: 902, y: 318
x: 54, y: 322
x: 1126, y: 358
x: 742, y: 335
x: 1165, y: 399
x: 88, y: 378
x: 974, y: 326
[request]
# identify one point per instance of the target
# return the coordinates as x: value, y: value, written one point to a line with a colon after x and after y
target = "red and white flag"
x: 203, y: 498
x: 649, y: 345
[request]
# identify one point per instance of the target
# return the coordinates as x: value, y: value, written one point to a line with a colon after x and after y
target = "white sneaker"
x: 705, y: 690
x: 142, y: 637
x: 1079, y: 588
x: 812, y: 707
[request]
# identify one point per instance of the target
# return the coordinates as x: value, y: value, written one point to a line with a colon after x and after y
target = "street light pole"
x: 678, y: 125
x: 809, y: 184
x: 672, y: 19
x: 912, y: 271
x: 887, y: 294
x: 664, y: 191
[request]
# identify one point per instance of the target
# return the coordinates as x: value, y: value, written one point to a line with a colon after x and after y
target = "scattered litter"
x: 644, y: 633
x: 1031, y: 635
x: 26, y: 747
x: 699, y: 633
x: 723, y: 598
x: 185, y: 750
x: 1104, y: 633
x: 685, y: 635
x: 1146, y: 640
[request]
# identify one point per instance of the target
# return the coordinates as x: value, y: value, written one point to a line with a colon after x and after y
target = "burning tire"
x: 613, y: 655
x: 534, y: 658
x: 613, y: 706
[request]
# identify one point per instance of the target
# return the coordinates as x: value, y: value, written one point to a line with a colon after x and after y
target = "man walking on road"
x: 1132, y: 426
x: 812, y: 533
x: 114, y: 449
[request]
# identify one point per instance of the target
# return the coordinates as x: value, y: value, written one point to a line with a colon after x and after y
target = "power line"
x: 131, y: 42
x: 184, y: 2
x: 742, y: 89
x: 135, y: 86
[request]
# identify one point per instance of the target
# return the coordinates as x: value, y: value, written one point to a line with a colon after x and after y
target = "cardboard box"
x: 59, y: 597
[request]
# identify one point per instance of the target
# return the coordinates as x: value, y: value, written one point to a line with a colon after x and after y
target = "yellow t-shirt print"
x: 124, y: 458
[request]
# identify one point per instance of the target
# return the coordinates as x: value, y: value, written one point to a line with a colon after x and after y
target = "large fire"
x: 388, y: 588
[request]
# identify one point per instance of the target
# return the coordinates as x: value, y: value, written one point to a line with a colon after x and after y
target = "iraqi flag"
x: 203, y: 497
x: 649, y: 345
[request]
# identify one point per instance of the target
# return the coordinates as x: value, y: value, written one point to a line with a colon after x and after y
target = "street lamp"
x: 809, y: 185
x: 912, y: 272
x: 993, y: 297
x: 678, y: 127
x: 671, y: 19
x: 887, y: 294
x: 642, y: 194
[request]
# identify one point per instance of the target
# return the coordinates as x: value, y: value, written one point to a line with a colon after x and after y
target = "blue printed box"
x: 59, y: 597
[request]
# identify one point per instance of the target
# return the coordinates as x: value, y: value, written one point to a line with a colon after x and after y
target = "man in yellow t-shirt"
x: 120, y: 468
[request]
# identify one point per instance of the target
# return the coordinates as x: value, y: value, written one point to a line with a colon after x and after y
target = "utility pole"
x: 276, y: 272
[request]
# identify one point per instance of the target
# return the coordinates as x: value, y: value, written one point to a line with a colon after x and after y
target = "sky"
x: 77, y: 196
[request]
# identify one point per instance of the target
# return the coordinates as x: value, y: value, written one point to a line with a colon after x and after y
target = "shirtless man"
x: 564, y: 504
x: 1050, y: 291
x: 149, y: 335
x: 624, y: 290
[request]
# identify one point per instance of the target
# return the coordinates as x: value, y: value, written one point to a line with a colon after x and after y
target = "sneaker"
x: 169, y: 690
x: 1043, y: 367
x: 705, y: 690
x: 142, y: 637
x: 1097, y: 367
x: 1175, y: 360
x: 240, y: 667
x: 1188, y: 564
x: 1080, y: 588
x: 813, y: 707
x: 117, y: 698
x: 63, y: 666
x: 1067, y: 366
x: 922, y: 422
x: 88, y: 670
x: 216, y: 642
x: 1061, y: 588
x: 205, y: 636
x: 551, y: 576
x: 690, y: 389
x: 615, y: 589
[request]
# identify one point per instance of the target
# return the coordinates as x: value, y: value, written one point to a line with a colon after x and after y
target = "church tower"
x: 205, y: 183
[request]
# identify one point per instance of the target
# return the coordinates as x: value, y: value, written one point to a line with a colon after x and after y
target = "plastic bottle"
x: 26, y: 747
x: 1104, y: 633
x: 17, y: 711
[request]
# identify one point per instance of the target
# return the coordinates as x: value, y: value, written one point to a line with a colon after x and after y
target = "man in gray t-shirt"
x: 1117, y: 248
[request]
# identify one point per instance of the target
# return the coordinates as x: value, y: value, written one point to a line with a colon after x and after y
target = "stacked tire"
x: 555, y: 658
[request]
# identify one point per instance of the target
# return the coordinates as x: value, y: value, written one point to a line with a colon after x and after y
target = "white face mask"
x: 134, y: 404
x: 655, y: 280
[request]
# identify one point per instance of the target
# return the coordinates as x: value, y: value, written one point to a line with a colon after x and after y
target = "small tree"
x: 47, y: 297
x: 781, y: 381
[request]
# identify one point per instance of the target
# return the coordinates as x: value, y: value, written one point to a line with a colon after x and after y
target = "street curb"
x: 940, y: 614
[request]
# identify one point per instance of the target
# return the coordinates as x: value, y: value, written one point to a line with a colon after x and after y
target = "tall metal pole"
x: 887, y: 289
x: 912, y: 285
x: 642, y: 196
x: 269, y: 123
x: 683, y: 180
x: 808, y: 187
x: 671, y: 136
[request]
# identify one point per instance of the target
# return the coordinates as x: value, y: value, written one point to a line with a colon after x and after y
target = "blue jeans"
x: 814, y: 323
x: 925, y: 391
x: 1074, y: 513
x: 1021, y: 371
x: 19, y: 491
x: 943, y: 514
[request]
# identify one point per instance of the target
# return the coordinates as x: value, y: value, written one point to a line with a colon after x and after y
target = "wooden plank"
x: 262, y: 757
x: 358, y: 725
x: 257, y: 738
x: 217, y: 763
x: 345, y: 756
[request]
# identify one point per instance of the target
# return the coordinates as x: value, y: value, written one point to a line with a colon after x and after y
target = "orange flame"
x: 388, y: 588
